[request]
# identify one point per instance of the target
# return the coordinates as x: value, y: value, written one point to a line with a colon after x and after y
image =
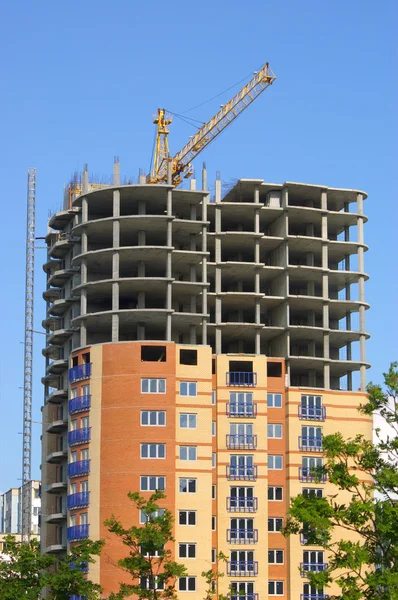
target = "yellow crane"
x: 181, y: 163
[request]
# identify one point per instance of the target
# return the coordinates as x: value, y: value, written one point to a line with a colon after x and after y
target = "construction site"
x: 201, y: 343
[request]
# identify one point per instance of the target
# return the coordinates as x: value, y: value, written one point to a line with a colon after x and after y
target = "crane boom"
x: 181, y: 162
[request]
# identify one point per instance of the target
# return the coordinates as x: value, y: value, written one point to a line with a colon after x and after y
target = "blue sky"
x: 82, y: 79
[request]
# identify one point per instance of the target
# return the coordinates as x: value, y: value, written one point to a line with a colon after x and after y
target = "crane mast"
x: 181, y: 163
x: 26, y: 498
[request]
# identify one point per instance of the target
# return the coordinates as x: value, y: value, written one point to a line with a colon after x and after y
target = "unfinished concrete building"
x: 202, y: 346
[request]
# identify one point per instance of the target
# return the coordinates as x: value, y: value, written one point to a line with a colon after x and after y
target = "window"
x: 242, y: 588
x: 213, y: 492
x: 275, y: 524
x: 275, y: 588
x: 151, y: 583
x: 274, y: 369
x: 312, y: 558
x: 188, y: 357
x: 153, y: 417
x: 213, y: 428
x: 187, y: 517
x: 241, y: 404
x: 242, y: 528
x: 187, y: 550
x: 213, y: 460
x: 86, y: 390
x: 73, y: 425
x: 187, y: 486
x: 275, y: 461
x: 213, y: 555
x: 73, y: 393
x: 150, y: 551
x: 153, y: 450
x: 188, y: 388
x: 213, y: 397
x: 313, y: 492
x: 72, y: 520
x: 275, y: 557
x: 188, y: 420
x: 311, y: 407
x: 84, y: 486
x: 274, y: 430
x: 275, y: 493
x: 187, y: 452
x: 84, y: 454
x: 73, y: 457
x: 311, y: 591
x: 153, y: 386
x: 147, y: 517
x: 311, y: 437
x: 274, y: 400
x: 83, y: 518
x: 73, y: 488
x: 151, y: 483
x: 213, y: 523
x: 153, y: 353
x: 85, y: 422
x: 187, y: 584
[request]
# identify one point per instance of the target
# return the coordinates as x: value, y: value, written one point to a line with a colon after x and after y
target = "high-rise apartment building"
x: 204, y: 348
x: 10, y: 508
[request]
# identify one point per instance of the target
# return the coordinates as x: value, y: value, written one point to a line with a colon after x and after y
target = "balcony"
x: 310, y: 443
x: 57, y: 456
x: 56, y: 487
x: 241, y: 568
x: 77, y: 532
x: 79, y: 436
x: 78, y: 500
x: 57, y: 425
x: 242, y: 473
x: 245, y: 504
x: 82, y: 566
x: 235, y: 409
x: 312, y: 413
x: 241, y: 441
x: 314, y: 567
x: 79, y: 404
x: 80, y: 467
x: 54, y: 516
x: 244, y: 597
x: 242, y: 536
x: 80, y: 372
x: 311, y: 474
x: 241, y: 378
x: 314, y: 596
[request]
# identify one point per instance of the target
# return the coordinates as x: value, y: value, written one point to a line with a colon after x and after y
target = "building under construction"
x: 202, y: 346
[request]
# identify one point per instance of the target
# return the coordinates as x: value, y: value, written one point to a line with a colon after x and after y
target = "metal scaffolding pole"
x: 26, y: 493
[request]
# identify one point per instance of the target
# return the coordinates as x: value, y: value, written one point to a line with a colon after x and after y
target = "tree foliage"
x: 24, y: 571
x: 366, y: 564
x: 149, y: 563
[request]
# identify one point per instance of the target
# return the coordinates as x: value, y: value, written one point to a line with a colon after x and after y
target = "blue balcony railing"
x: 242, y: 536
x: 241, y: 409
x: 314, y: 567
x: 314, y: 596
x: 245, y: 504
x: 79, y: 436
x: 77, y: 532
x: 78, y: 500
x: 82, y: 566
x: 80, y: 372
x: 311, y: 474
x: 241, y: 441
x: 237, y: 596
x: 245, y: 473
x: 79, y: 404
x: 74, y: 597
x: 316, y: 413
x: 239, y: 568
x: 80, y: 467
x: 310, y: 443
x: 242, y: 378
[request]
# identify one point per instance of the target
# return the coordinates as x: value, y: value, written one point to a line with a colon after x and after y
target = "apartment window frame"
x: 277, y: 583
x: 213, y: 428
x: 188, y: 515
x: 213, y: 523
x: 213, y: 460
x: 157, y: 414
x: 274, y: 489
x: 147, y: 517
x: 188, y: 550
x: 189, y: 417
x: 158, y: 481
x: 213, y: 397
x: 274, y: 555
x: 318, y: 492
x: 188, y: 453
x: 275, y: 522
x: 189, y: 583
x: 273, y: 460
x: 190, y: 482
x: 149, y: 447
x: 189, y: 389
x: 148, y: 382
x: 271, y: 428
x: 274, y: 400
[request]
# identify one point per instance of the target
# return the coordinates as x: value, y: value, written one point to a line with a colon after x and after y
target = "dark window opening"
x: 75, y: 361
x: 86, y: 358
x: 274, y: 369
x: 188, y: 357
x: 241, y: 366
x: 153, y: 353
x: 213, y: 366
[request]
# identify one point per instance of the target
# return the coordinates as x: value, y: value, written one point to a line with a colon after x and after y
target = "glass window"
x: 153, y: 417
x: 213, y: 428
x: 153, y: 450
x: 146, y: 517
x: 187, y: 486
x: 187, y: 584
x: 276, y: 588
x: 275, y: 524
x: 187, y: 550
x: 275, y: 461
x: 213, y: 397
x: 274, y: 430
x: 213, y: 491
x: 151, y: 483
x: 188, y: 420
x: 274, y: 400
x: 188, y: 388
x: 213, y: 523
x: 84, y: 454
x: 187, y: 452
x: 275, y: 493
x: 187, y: 517
x: 313, y: 492
x: 275, y: 557
x: 153, y: 386
x: 213, y: 460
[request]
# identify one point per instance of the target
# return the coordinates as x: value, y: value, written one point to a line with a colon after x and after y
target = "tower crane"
x: 181, y: 162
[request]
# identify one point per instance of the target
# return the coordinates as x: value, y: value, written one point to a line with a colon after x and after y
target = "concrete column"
x: 116, y: 203
x: 84, y: 210
x: 349, y: 381
x: 192, y: 212
x: 257, y: 342
x: 141, y: 331
x: 83, y: 302
x: 257, y: 251
x: 192, y: 184
x: 257, y: 195
x: 85, y: 180
x: 116, y: 171
x: 141, y: 269
x: 115, y: 295
x: 192, y: 334
x: 192, y: 304
x: 115, y: 265
x: 324, y: 202
x: 205, y: 200
x: 141, y: 181
x: 142, y: 238
x: 168, y: 328
x: 218, y: 258
x: 192, y: 273
x: 204, y: 179
x: 141, y: 300
x: 326, y: 376
x: 84, y: 241
x: 83, y: 271
x: 115, y: 328
x: 116, y: 234
x: 141, y: 207
x: 192, y: 242
x: 83, y: 335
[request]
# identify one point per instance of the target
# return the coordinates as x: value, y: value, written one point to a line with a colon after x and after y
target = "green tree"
x: 24, y: 571
x: 367, y: 566
x: 153, y: 571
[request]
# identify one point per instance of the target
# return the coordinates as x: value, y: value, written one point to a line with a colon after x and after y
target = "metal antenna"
x: 26, y: 492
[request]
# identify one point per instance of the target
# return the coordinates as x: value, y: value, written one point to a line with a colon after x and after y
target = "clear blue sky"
x: 81, y: 80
